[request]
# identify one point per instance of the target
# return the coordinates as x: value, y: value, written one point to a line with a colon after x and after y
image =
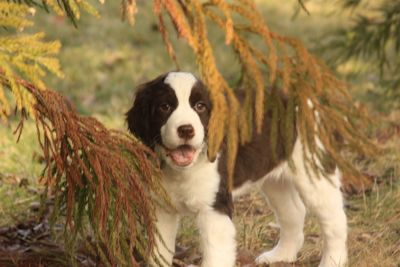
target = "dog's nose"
x: 186, y: 131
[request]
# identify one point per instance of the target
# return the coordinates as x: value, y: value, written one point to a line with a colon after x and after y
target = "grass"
x: 19, y: 171
x: 373, y: 220
x: 105, y: 59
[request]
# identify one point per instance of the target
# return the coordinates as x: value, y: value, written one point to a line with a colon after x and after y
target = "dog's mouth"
x: 182, y: 156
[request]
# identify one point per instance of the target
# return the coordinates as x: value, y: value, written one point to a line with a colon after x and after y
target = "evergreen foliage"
x: 28, y: 55
x: 106, y: 178
x: 102, y: 180
x: 373, y: 38
x: 282, y: 63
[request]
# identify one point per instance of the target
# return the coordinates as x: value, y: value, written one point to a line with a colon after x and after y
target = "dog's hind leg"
x: 289, y: 211
x: 322, y: 196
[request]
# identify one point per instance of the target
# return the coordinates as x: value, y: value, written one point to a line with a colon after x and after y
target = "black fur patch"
x: 146, y: 116
x: 199, y: 93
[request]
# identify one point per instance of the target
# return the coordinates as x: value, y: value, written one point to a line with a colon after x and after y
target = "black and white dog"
x: 170, y: 114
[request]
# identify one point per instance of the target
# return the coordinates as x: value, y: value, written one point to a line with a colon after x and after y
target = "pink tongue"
x: 182, y: 156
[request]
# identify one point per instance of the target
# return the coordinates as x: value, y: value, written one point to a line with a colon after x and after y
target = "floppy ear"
x: 210, y: 157
x: 138, y: 116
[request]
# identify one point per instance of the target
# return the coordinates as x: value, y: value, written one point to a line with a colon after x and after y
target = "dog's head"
x: 170, y: 114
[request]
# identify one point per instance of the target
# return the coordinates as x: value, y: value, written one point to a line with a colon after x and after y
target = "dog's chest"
x: 193, y: 190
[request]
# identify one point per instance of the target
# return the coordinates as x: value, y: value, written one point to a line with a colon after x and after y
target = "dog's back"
x: 171, y: 114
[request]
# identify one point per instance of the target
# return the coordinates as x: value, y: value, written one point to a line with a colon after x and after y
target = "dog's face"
x: 170, y: 114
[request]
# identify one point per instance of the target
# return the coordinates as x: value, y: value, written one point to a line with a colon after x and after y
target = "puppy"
x: 170, y: 114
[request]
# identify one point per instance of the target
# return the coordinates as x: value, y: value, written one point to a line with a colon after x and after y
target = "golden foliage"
x: 71, y: 8
x: 318, y: 100
x: 27, y: 55
x: 129, y: 9
x: 14, y: 15
x: 90, y: 167
x: 102, y: 179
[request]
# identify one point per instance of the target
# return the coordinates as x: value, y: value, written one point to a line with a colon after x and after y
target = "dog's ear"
x: 137, y: 117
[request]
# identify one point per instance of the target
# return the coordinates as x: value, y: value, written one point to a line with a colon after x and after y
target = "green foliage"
x: 84, y: 160
x: 28, y: 55
x: 22, y: 54
x: 372, y: 38
x: 101, y: 179
x: 14, y: 15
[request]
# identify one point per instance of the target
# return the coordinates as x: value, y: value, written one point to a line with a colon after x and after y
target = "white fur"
x: 289, y: 212
x: 193, y: 190
x: 288, y: 193
x: 167, y: 225
x: 323, y: 197
x: 182, y: 83
x: 217, y: 236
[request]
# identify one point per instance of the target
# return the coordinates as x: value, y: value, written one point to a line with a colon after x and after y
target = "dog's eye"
x: 165, y: 107
x: 200, y: 107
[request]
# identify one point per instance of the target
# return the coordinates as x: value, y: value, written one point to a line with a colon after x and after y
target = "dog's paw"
x: 335, y: 258
x: 276, y: 255
x: 285, y: 251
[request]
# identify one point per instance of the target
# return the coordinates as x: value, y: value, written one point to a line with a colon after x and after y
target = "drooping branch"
x: 103, y: 177
x: 324, y: 109
x: 107, y: 177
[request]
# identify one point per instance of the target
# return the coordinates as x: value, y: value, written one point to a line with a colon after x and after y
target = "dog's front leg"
x: 167, y: 227
x: 217, y: 234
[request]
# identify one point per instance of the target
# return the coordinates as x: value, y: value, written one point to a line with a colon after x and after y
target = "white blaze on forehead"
x: 182, y: 83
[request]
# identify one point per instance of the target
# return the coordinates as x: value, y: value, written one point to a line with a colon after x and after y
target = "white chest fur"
x: 195, y: 189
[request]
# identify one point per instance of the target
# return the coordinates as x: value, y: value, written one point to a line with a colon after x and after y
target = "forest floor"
x: 373, y: 218
x: 104, y: 59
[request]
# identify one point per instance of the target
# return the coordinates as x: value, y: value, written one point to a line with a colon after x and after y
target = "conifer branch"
x: 299, y: 74
x: 372, y: 40
x: 89, y: 166
x: 104, y: 177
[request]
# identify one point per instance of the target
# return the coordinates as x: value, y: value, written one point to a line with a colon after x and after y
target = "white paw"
x: 334, y: 259
x: 285, y: 251
x: 276, y: 255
